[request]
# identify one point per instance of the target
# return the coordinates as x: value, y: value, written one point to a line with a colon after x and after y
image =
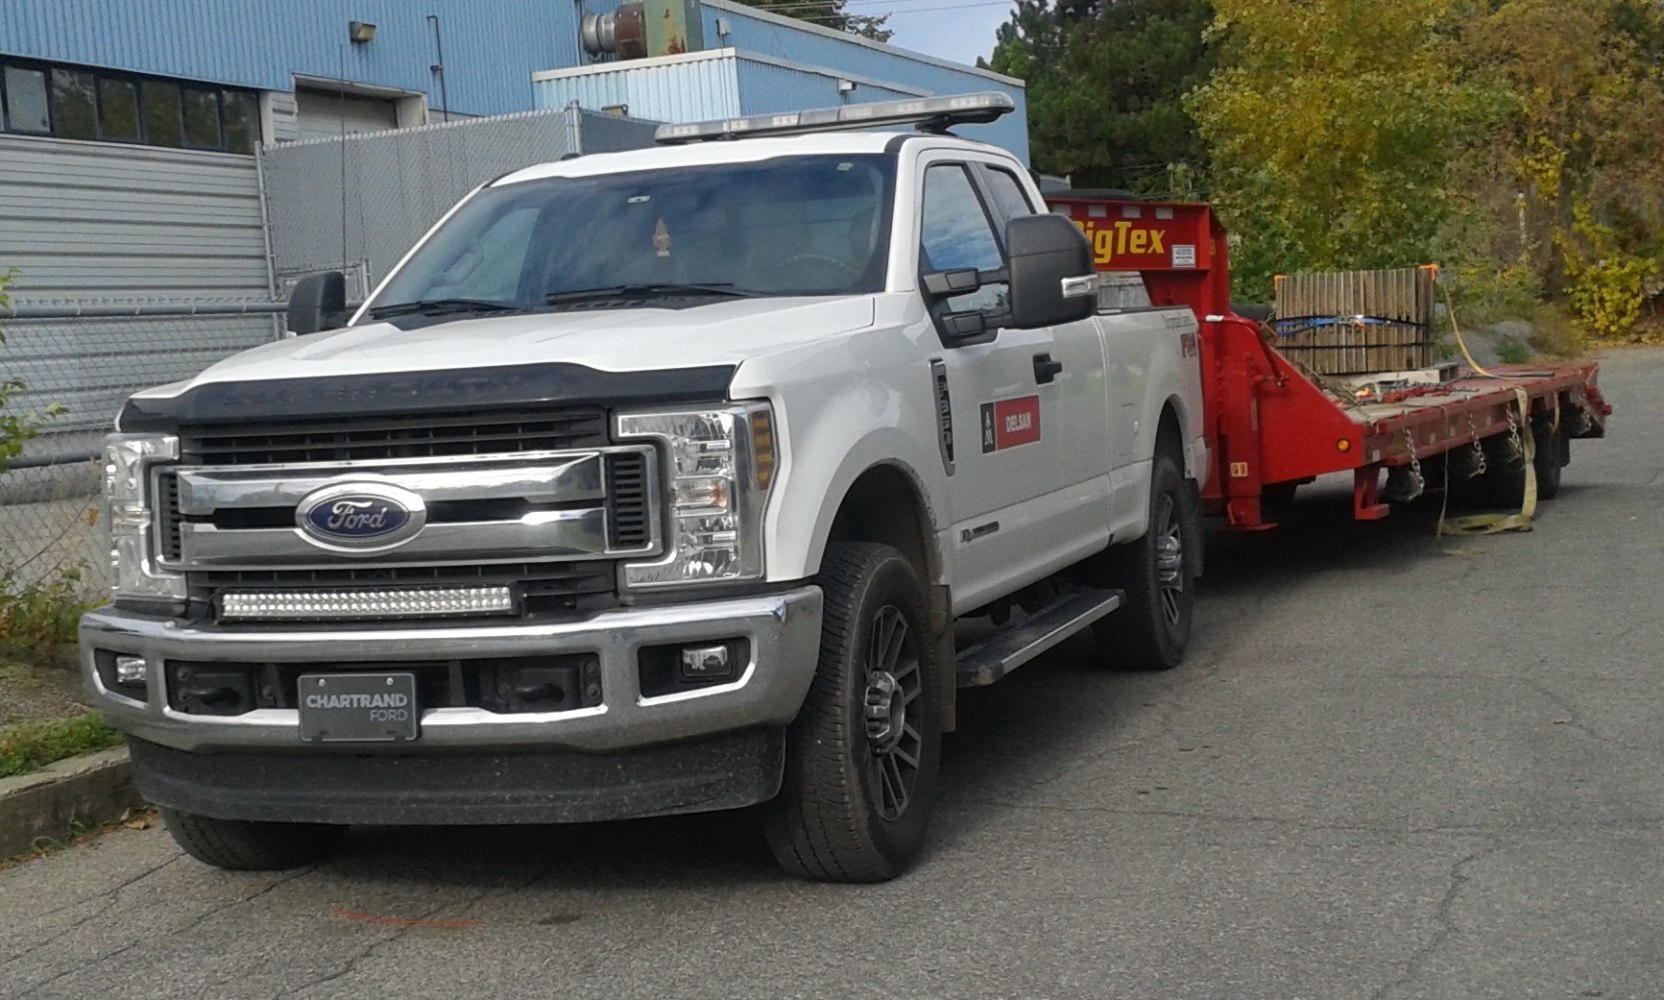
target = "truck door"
x: 1017, y: 491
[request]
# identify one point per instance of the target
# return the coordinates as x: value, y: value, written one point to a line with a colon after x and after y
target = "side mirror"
x: 1052, y: 279
x: 319, y: 302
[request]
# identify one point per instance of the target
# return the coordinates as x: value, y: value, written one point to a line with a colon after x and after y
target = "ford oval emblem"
x: 361, y: 517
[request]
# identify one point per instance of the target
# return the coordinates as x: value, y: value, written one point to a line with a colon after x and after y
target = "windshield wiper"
x: 650, y: 291
x: 442, y: 307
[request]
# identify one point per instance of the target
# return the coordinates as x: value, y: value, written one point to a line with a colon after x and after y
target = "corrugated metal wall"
x: 79, y: 218
x: 767, y: 86
x: 684, y: 88
x: 816, y: 48
x: 95, y: 222
x: 491, y: 46
x: 398, y: 184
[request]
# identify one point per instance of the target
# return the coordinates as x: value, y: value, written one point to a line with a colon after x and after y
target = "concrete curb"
x: 88, y: 790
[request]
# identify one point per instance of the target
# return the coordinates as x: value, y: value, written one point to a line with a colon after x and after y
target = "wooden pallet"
x: 1357, y: 322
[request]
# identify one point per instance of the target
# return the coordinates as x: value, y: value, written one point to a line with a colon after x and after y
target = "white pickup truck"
x: 652, y: 482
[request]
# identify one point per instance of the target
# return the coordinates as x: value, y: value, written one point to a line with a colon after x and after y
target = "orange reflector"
x: 762, y: 447
x: 1343, y: 445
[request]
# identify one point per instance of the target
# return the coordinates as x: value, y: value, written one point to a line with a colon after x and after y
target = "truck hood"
x: 619, y: 340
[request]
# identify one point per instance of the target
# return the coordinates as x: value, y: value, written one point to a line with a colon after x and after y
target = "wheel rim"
x: 893, y: 683
x: 1169, y: 561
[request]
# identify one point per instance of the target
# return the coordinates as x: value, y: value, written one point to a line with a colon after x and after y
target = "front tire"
x: 248, y: 846
x: 1152, y: 628
x: 862, y: 755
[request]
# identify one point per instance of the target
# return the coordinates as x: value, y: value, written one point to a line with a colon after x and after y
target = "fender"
x: 834, y: 429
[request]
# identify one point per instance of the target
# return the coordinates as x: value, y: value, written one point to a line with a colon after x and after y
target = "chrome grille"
x: 416, y: 435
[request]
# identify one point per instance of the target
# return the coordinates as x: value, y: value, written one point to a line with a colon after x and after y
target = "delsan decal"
x: 1007, y: 423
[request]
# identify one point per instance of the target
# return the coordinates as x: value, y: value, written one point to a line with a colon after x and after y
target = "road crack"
x: 198, y: 921
x: 1446, y: 926
x: 112, y: 894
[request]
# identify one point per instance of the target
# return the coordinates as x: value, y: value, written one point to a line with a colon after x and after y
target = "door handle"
x: 1045, y: 369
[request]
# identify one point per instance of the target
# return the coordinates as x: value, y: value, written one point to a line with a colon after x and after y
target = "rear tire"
x: 247, y: 846
x: 1158, y: 573
x: 862, y: 754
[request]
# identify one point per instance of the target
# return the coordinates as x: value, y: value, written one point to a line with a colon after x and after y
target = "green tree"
x: 1331, y: 126
x: 1567, y: 182
x: 1106, y: 84
x: 830, y: 13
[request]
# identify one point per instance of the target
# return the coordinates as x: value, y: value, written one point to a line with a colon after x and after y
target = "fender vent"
x: 627, y: 524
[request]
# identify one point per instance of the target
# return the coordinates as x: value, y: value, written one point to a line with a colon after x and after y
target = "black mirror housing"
x: 319, y: 302
x: 946, y: 284
x: 1052, y: 278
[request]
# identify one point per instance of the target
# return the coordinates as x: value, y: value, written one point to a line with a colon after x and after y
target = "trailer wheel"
x: 247, y: 846
x: 1505, y: 480
x: 1158, y: 573
x: 862, y: 754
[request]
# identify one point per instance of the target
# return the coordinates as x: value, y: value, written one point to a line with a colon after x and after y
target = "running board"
x: 987, y: 662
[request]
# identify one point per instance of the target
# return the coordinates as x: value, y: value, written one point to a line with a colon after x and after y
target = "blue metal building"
x: 314, y: 66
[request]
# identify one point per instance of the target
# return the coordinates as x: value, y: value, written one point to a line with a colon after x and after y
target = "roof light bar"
x: 930, y: 114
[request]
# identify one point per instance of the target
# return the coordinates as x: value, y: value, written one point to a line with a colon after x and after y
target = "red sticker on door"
x: 1007, y: 423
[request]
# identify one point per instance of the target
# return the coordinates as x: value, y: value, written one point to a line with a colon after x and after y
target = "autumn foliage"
x: 1518, y: 142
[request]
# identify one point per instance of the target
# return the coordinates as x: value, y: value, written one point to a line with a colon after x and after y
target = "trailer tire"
x: 862, y: 754
x: 1158, y: 574
x: 249, y: 846
x: 1505, y: 481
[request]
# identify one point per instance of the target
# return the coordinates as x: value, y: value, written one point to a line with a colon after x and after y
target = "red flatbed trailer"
x: 1271, y: 424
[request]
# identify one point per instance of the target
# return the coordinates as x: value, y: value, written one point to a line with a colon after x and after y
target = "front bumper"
x: 783, y: 631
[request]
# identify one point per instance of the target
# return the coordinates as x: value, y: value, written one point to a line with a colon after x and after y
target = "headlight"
x: 721, y: 463
x: 128, y: 459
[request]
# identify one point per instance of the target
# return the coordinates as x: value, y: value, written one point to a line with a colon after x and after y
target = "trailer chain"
x: 1478, y: 450
x: 1516, y: 450
x: 1415, y: 464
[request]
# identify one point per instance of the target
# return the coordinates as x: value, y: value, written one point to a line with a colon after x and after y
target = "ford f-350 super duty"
x: 652, y: 482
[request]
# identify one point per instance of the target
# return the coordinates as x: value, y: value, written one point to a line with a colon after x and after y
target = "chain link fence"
x: 79, y: 360
x: 358, y: 203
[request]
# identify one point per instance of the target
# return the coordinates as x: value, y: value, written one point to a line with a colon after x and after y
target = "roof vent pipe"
x: 622, y: 32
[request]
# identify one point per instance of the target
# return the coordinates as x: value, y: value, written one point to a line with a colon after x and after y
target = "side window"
x: 1009, y: 199
x: 957, y: 234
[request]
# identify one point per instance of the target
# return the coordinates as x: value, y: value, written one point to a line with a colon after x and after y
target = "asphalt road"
x: 1394, y: 767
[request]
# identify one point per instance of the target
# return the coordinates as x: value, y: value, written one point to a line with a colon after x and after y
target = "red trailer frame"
x: 1271, y: 424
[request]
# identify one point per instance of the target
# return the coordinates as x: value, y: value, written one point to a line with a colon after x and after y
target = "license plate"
x: 358, y: 708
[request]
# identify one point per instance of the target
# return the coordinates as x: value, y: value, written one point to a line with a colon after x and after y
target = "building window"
x: 118, y: 110
x: 74, y: 103
x: 164, y: 116
x: 25, y: 93
x: 202, y: 119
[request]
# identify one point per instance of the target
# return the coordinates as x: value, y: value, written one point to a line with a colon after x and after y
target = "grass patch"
x: 1513, y: 352
x: 43, y: 613
x: 30, y: 746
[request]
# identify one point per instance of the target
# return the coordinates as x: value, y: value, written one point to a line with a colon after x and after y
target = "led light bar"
x: 930, y: 114
x: 354, y: 605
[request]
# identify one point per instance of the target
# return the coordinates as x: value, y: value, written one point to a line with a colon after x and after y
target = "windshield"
x: 805, y: 225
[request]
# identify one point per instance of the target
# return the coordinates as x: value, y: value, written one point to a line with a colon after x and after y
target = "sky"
x: 959, y: 30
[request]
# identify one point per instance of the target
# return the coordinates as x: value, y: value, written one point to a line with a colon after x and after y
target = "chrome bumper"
x: 783, y: 629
